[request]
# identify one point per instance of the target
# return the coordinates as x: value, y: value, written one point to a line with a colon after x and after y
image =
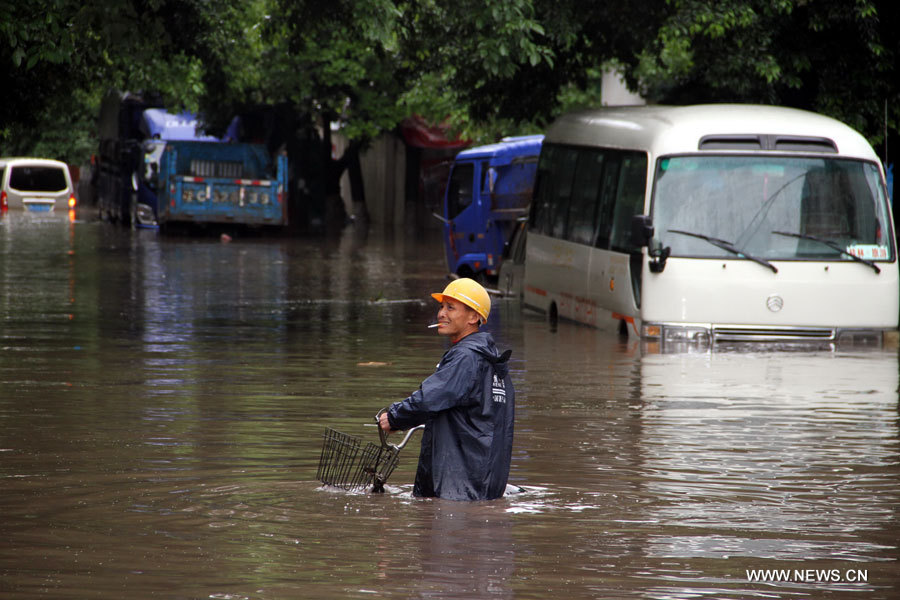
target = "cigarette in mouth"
x: 433, y: 325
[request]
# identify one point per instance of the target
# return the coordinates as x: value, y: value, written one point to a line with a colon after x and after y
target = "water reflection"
x: 794, y: 441
x: 460, y: 550
x: 772, y: 460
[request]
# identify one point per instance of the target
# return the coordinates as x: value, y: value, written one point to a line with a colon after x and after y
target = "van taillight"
x: 72, y: 201
x: 4, y: 205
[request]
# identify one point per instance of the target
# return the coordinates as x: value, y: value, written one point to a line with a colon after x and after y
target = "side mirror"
x: 658, y: 257
x: 641, y: 230
x: 642, y: 235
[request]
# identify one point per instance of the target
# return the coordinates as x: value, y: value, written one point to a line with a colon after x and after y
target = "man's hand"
x: 384, y: 423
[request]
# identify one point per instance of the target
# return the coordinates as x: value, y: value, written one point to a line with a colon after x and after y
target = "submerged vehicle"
x: 489, y: 188
x: 35, y: 184
x: 157, y: 168
x: 713, y: 224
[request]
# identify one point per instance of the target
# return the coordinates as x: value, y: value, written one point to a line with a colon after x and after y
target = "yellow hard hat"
x: 469, y: 292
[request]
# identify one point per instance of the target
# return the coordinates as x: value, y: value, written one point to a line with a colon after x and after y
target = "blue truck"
x: 488, y: 191
x: 156, y: 169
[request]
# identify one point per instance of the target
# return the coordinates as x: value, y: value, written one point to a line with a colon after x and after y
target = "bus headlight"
x: 699, y: 335
x: 686, y: 335
x: 859, y: 338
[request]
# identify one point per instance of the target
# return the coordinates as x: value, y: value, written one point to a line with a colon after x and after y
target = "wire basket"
x: 345, y: 465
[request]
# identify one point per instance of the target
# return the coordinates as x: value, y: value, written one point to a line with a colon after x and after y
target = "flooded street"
x: 163, y: 400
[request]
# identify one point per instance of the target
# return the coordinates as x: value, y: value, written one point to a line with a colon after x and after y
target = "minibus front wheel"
x: 553, y: 316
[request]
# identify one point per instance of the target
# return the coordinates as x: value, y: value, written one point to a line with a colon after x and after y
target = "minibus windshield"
x: 771, y: 208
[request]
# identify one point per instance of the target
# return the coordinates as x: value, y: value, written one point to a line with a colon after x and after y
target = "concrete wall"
x: 384, y: 174
x: 615, y: 93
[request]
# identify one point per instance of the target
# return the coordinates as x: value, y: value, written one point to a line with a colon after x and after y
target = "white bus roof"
x: 664, y: 130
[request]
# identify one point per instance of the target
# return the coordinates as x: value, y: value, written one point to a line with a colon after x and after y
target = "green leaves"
x: 486, y: 67
x: 827, y: 55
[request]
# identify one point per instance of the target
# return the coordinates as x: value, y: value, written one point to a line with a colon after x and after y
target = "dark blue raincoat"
x: 468, y: 408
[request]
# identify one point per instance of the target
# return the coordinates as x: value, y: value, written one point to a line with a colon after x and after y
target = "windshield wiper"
x: 760, y: 215
x: 832, y: 245
x: 725, y: 245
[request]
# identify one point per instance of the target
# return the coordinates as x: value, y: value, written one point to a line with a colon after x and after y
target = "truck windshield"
x: 752, y: 201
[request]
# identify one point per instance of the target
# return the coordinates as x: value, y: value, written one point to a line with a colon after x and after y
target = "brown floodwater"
x: 163, y: 401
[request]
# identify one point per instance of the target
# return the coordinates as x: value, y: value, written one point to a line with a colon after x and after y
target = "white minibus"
x: 713, y: 224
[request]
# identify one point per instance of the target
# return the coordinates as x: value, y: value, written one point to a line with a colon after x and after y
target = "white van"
x: 709, y: 224
x: 35, y: 184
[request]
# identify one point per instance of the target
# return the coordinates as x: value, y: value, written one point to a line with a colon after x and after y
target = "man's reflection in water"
x: 469, y: 551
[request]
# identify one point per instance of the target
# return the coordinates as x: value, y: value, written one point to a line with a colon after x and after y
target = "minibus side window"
x: 606, y: 200
x: 459, y: 194
x: 553, y: 188
x: 561, y: 190
x: 541, y: 209
x: 583, y: 208
x: 629, y: 199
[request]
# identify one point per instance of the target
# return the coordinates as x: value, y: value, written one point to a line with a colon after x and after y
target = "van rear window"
x: 37, y: 179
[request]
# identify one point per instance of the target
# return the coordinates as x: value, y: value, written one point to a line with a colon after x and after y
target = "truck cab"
x: 488, y: 189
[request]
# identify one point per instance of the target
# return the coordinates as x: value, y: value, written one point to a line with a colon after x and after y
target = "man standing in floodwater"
x: 467, y: 405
